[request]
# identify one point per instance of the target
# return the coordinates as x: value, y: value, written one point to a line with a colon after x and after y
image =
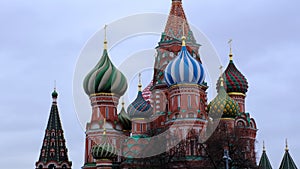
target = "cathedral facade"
x: 167, y: 125
x: 171, y: 123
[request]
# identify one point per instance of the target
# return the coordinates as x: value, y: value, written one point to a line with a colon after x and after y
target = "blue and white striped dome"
x: 184, y: 69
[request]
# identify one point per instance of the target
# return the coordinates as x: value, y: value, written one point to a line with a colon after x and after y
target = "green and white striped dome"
x: 105, y: 78
x: 104, y: 150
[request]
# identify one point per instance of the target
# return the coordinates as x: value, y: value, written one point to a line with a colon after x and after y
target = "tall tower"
x: 170, y: 43
x: 54, y: 153
x: 235, y: 83
x: 104, y: 85
x: 168, y: 48
x: 187, y: 117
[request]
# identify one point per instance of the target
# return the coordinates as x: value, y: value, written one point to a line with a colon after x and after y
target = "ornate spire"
x: 54, y: 147
x: 230, y: 53
x: 105, y: 37
x: 221, y: 76
x: 176, y: 21
x: 140, y: 82
x: 286, y: 145
x: 287, y: 161
x: 264, y: 162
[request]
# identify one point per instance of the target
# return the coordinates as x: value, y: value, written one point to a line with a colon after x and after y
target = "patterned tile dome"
x: 222, y: 105
x: 184, y: 69
x: 235, y: 81
x: 139, y: 108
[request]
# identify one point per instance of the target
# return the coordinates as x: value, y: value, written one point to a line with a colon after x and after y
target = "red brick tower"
x: 167, y: 49
x: 104, y: 85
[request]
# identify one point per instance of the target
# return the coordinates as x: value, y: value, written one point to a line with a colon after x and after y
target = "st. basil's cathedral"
x: 170, y: 124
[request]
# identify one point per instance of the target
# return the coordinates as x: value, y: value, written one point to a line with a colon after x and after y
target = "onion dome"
x: 104, y: 150
x: 124, y: 119
x: 184, y: 69
x: 140, y: 108
x: 235, y: 81
x: 223, y: 105
x: 54, y: 94
x: 105, y: 77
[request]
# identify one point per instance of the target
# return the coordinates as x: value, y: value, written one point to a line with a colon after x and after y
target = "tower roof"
x: 287, y: 161
x: 105, y: 77
x: 124, y: 118
x: 223, y: 105
x: 140, y: 108
x: 184, y: 68
x: 235, y: 81
x: 264, y: 162
x: 177, y: 25
x: 54, y: 146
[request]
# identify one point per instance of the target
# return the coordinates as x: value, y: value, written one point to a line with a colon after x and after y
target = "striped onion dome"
x: 223, y: 105
x: 105, y: 78
x: 184, y: 69
x: 140, y: 108
x: 235, y: 81
x: 104, y: 150
x: 124, y: 119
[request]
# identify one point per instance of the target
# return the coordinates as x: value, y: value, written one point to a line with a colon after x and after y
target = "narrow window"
x: 106, y: 112
x: 189, y: 101
x: 178, y: 100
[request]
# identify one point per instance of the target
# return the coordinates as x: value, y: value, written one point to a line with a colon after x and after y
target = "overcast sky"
x: 40, y: 42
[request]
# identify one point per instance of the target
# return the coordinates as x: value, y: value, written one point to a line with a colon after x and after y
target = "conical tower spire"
x: 264, y: 162
x: 287, y: 161
x: 54, y: 152
x: 177, y: 23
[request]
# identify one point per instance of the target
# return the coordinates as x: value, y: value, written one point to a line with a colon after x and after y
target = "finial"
x: 54, y: 93
x: 183, y: 36
x: 264, y: 147
x: 104, y: 129
x: 140, y: 82
x: 221, y: 76
x: 286, y: 145
x: 105, y: 34
x: 123, y: 103
x: 230, y: 46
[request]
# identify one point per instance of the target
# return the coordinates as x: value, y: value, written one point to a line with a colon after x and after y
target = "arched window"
x: 51, y: 166
x: 40, y: 166
x: 176, y: 115
x: 64, y: 166
x: 178, y: 100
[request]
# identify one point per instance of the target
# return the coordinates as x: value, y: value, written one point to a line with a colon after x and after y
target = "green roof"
x: 264, y: 162
x: 287, y: 161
